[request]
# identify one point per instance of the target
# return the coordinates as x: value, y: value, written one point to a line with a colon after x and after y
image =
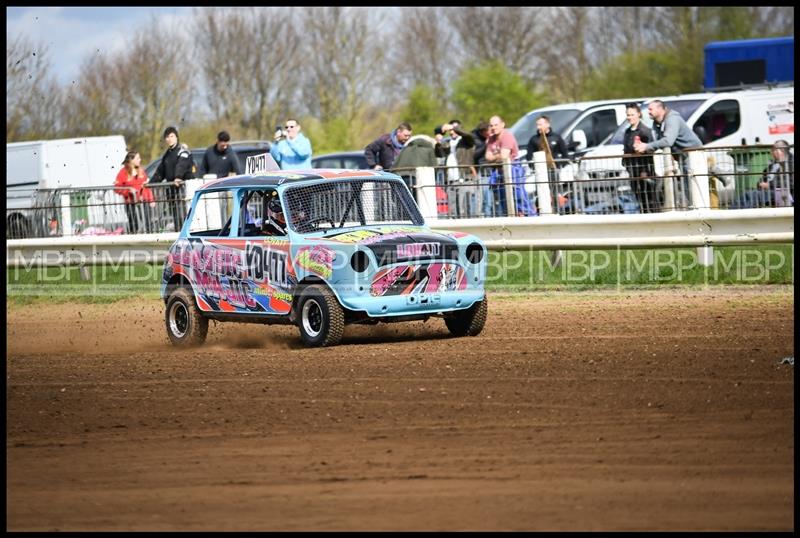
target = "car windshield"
x: 525, y: 127
x: 683, y: 107
x: 353, y: 202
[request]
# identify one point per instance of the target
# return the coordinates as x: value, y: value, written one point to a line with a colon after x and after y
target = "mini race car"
x: 319, y: 249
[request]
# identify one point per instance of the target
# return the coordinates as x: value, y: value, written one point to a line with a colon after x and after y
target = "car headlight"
x: 474, y: 253
x: 359, y: 261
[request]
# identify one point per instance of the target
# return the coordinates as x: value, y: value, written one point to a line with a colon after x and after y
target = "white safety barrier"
x: 698, y: 228
x: 89, y: 250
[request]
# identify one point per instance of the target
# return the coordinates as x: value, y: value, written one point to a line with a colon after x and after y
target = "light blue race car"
x: 319, y: 249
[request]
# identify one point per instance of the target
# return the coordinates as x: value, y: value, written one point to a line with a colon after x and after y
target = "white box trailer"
x: 60, y: 164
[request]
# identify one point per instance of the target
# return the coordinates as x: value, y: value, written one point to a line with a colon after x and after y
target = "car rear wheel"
x: 321, y: 317
x: 186, y: 325
x: 468, y: 322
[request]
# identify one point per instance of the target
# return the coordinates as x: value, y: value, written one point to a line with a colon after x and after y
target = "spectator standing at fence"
x: 670, y: 130
x: 175, y: 167
x: 419, y: 150
x: 481, y: 135
x: 500, y: 148
x: 640, y: 169
x: 555, y: 148
x: 382, y: 152
x: 220, y: 159
x: 458, y: 149
x: 139, y: 200
x: 776, y: 185
x: 778, y: 177
x: 291, y: 149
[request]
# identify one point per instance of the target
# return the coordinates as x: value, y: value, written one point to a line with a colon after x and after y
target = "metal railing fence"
x: 110, y: 210
x: 743, y: 177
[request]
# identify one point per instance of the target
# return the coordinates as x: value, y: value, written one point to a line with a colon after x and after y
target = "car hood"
x: 394, y: 244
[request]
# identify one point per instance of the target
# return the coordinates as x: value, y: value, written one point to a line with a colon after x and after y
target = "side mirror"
x: 579, y: 139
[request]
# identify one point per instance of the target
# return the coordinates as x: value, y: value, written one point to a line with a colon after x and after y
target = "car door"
x: 213, y: 257
x: 268, y: 276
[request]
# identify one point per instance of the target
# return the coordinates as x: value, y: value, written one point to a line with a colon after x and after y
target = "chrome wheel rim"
x: 312, y: 318
x: 178, y: 319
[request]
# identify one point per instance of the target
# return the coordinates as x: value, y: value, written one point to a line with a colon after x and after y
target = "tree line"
x: 351, y: 74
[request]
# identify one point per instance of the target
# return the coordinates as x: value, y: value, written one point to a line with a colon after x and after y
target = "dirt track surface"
x: 640, y: 410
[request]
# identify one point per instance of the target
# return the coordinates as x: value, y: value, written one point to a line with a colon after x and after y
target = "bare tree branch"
x: 33, y: 96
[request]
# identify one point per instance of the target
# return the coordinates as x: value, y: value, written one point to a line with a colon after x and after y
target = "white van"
x: 53, y: 164
x: 724, y: 119
x: 583, y: 125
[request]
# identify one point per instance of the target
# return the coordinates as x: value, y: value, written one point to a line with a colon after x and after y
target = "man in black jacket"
x: 558, y: 148
x: 641, y: 169
x: 480, y: 135
x: 381, y: 152
x: 176, y: 166
x: 459, y: 152
x: 220, y: 159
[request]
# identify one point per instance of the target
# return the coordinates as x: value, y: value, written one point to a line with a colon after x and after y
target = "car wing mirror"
x: 578, y: 139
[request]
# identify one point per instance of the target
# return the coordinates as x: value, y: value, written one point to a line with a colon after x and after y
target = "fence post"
x: 543, y: 194
x: 66, y: 216
x: 544, y: 197
x: 508, y: 183
x: 698, y: 186
x: 698, y: 179
x: 190, y: 186
x: 669, y: 180
x: 426, y: 192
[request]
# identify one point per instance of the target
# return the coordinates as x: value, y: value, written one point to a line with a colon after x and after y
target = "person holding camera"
x: 291, y: 149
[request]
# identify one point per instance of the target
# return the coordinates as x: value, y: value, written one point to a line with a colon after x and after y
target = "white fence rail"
x: 697, y: 228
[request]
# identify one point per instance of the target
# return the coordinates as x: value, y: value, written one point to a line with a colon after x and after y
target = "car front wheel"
x: 186, y: 325
x: 468, y: 322
x: 321, y: 318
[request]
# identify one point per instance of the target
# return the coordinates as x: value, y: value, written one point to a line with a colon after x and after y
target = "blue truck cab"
x: 732, y: 64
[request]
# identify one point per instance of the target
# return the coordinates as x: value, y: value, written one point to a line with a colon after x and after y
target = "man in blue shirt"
x: 291, y: 150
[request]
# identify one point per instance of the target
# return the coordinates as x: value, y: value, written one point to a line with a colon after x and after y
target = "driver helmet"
x: 275, y: 214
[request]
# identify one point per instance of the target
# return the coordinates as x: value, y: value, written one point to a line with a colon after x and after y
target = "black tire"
x: 320, y: 317
x: 186, y: 325
x: 468, y: 322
